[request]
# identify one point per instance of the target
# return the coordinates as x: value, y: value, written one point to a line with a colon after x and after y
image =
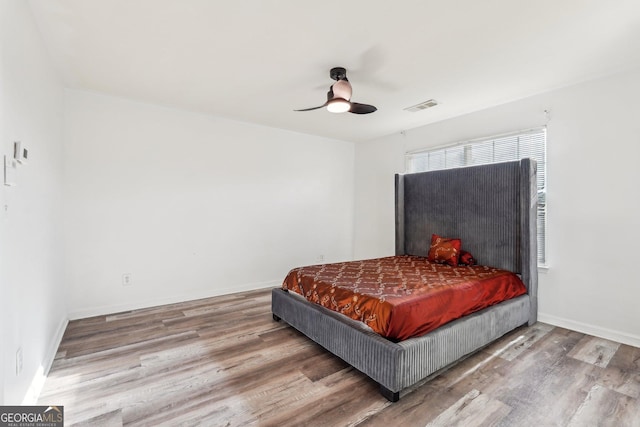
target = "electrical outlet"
x: 18, y: 361
x: 126, y: 279
x: 320, y: 258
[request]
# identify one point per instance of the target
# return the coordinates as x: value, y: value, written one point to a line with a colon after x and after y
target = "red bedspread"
x: 403, y: 296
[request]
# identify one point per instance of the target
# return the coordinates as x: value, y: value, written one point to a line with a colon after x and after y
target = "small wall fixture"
x: 9, y: 171
x: 20, y: 154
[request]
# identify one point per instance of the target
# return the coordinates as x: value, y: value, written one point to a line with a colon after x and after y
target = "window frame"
x: 465, y: 148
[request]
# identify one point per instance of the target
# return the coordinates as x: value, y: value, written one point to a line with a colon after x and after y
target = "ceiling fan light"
x: 338, y: 105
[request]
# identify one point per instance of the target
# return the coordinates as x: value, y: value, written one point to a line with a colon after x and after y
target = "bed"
x: 492, y: 209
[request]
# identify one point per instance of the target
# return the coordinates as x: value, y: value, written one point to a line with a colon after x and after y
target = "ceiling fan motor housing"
x: 338, y: 73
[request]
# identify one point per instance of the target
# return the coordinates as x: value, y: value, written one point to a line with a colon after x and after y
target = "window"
x: 502, y: 148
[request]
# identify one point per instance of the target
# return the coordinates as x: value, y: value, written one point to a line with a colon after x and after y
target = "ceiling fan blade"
x: 312, y: 108
x: 357, y: 108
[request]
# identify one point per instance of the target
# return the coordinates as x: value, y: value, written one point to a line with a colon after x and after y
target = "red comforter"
x: 403, y: 296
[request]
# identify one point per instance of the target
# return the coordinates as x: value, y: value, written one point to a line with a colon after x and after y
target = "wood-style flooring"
x: 225, y: 362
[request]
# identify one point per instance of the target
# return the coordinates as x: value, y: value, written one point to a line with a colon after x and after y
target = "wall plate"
x: 9, y: 171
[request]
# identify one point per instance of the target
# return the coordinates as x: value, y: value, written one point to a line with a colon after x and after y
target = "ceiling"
x: 258, y: 60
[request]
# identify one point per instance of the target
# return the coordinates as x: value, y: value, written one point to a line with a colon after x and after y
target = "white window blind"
x: 502, y: 148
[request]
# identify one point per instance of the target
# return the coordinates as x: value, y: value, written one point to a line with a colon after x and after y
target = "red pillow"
x: 466, y: 258
x: 444, y: 251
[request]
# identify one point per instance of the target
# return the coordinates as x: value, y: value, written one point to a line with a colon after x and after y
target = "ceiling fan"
x: 339, y: 96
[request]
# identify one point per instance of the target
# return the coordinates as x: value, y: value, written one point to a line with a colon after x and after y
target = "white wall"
x: 33, y: 312
x: 593, y: 199
x: 192, y: 205
x: 3, y: 287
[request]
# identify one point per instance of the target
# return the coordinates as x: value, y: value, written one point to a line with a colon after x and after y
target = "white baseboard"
x: 117, y: 308
x: 596, y: 331
x: 37, y: 382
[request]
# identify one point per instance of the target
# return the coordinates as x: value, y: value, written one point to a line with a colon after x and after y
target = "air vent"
x: 422, y: 106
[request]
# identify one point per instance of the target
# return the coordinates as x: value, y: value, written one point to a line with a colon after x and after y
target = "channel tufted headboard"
x: 492, y: 208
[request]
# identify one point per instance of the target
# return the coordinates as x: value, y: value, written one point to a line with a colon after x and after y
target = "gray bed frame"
x: 492, y: 208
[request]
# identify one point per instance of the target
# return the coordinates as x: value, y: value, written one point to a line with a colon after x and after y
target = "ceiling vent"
x: 422, y: 106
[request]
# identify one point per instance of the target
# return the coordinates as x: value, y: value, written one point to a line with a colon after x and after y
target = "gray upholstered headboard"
x: 492, y: 208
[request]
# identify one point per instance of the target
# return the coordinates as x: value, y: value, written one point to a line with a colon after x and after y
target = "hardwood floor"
x: 224, y: 362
